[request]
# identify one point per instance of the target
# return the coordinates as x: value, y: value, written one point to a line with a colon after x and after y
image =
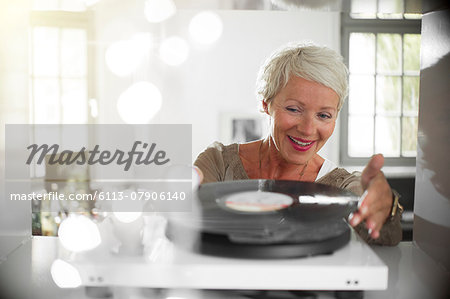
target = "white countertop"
x: 25, y: 273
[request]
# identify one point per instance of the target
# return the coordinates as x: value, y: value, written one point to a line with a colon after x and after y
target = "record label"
x: 256, y: 201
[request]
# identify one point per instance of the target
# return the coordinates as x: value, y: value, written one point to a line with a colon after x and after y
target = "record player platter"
x: 265, y: 219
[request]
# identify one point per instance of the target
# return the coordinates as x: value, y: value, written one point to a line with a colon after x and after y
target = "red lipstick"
x: 300, y: 147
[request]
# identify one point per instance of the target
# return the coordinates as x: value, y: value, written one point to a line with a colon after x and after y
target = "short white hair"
x: 306, y: 60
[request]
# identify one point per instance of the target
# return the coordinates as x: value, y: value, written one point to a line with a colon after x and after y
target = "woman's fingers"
x: 374, y: 218
x: 376, y: 202
x: 371, y: 210
x: 372, y: 169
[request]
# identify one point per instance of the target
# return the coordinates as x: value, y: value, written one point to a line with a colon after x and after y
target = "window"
x: 60, y: 86
x: 59, y: 69
x: 381, y: 45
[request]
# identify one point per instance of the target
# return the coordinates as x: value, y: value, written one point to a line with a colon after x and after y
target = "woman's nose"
x: 306, y: 125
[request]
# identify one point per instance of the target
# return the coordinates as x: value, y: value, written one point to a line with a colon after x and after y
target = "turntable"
x: 270, y: 243
x: 266, y: 219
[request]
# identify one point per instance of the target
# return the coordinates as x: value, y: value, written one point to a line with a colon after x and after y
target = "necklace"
x: 302, y: 172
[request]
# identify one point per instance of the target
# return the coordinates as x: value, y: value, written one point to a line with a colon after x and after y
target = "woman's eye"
x: 324, y: 115
x: 290, y: 109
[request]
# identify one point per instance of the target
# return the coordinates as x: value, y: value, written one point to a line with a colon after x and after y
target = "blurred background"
x: 195, y: 62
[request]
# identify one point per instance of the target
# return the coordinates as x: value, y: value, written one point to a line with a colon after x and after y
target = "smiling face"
x: 303, y: 117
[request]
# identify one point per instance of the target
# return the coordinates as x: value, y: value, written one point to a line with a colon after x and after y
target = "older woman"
x: 302, y: 88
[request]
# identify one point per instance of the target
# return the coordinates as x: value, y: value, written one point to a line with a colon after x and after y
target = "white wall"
x: 214, y: 80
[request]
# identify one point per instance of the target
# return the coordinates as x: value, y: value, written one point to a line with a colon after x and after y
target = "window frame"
x: 348, y: 26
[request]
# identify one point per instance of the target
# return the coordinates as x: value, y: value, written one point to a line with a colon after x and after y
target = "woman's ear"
x: 265, y: 107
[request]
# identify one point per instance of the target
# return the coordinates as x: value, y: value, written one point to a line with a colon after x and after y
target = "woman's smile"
x: 299, y: 144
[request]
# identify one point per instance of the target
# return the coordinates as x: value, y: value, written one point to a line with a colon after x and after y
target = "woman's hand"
x: 376, y: 202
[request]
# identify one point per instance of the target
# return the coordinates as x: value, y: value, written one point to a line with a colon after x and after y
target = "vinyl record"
x: 267, y: 219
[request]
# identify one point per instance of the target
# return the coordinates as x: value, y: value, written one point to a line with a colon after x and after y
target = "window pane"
x: 46, y: 104
x: 71, y: 5
x: 43, y: 137
x: 73, y: 52
x: 411, y: 95
x: 362, y: 53
x: 409, y: 136
x: 66, y: 5
x: 388, y: 95
x: 74, y: 144
x: 74, y: 101
x: 361, y: 94
x: 390, y: 9
x: 45, y: 51
x: 45, y: 4
x: 387, y: 136
x: 411, y: 52
x: 360, y: 136
x: 363, y: 9
x: 389, y: 53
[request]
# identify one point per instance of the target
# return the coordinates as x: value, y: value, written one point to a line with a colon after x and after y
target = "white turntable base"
x: 354, y: 267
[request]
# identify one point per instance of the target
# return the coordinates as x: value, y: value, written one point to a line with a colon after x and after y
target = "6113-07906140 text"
x: 103, y: 195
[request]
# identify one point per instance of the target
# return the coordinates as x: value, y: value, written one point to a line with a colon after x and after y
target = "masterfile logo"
x: 146, y: 156
x: 109, y: 151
